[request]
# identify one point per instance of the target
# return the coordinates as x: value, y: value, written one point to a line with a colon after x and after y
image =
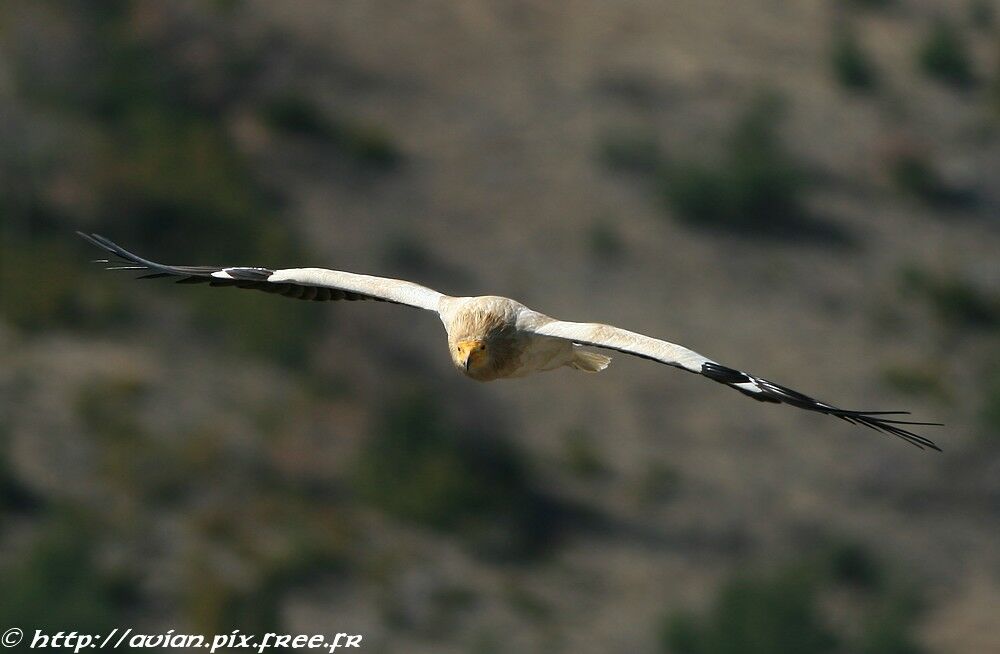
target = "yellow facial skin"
x: 470, y: 354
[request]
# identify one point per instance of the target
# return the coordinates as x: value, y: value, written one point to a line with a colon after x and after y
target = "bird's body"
x: 492, y: 337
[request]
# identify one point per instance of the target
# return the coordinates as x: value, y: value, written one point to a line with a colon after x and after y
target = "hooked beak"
x: 468, y: 351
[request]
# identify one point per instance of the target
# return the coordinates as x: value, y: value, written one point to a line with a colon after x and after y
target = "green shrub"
x: 915, y: 380
x: 163, y: 153
x: 282, y: 330
x: 956, y: 302
x: 605, y: 242
x: 212, y: 604
x: 364, y: 144
x: 886, y: 611
x: 913, y: 174
x: 990, y: 411
x: 163, y: 166
x: 529, y: 605
x: 14, y: 496
x: 943, y: 55
x: 786, y: 611
x: 287, y: 543
x: 888, y: 627
x: 852, y: 564
x: 56, y: 586
x: 755, y: 615
x: 408, y: 253
x: 699, y: 194
x: 631, y: 151
x: 756, y: 188
x: 368, y: 144
x: 994, y: 90
x: 294, y: 115
x: 682, y: 633
x: 581, y: 455
x: 128, y: 461
x: 62, y: 297
x: 660, y: 481
x: 181, y: 176
x: 419, y: 468
x: 870, y: 4
x: 852, y: 68
x: 107, y: 407
x: 982, y: 14
x: 167, y: 181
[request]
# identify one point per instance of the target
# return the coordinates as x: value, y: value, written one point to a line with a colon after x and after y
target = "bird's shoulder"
x: 482, y: 304
x: 487, y: 313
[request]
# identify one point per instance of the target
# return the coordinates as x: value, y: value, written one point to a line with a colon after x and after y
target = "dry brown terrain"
x: 216, y: 476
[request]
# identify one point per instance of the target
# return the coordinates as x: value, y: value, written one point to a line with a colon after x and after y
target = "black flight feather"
x: 768, y: 391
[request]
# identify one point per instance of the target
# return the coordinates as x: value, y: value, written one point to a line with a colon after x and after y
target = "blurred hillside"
x: 806, y: 190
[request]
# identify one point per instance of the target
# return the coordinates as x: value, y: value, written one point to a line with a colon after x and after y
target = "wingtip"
x: 94, y: 239
x: 876, y: 420
x: 892, y: 427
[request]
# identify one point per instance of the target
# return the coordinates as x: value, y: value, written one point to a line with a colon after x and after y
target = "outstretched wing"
x: 613, y: 338
x: 301, y: 283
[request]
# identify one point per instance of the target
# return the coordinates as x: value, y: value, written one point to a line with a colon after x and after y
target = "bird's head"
x: 470, y: 355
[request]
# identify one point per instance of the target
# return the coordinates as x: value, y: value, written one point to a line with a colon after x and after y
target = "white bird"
x: 492, y: 337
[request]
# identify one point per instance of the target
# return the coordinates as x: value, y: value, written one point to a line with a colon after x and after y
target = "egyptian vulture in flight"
x: 491, y: 337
